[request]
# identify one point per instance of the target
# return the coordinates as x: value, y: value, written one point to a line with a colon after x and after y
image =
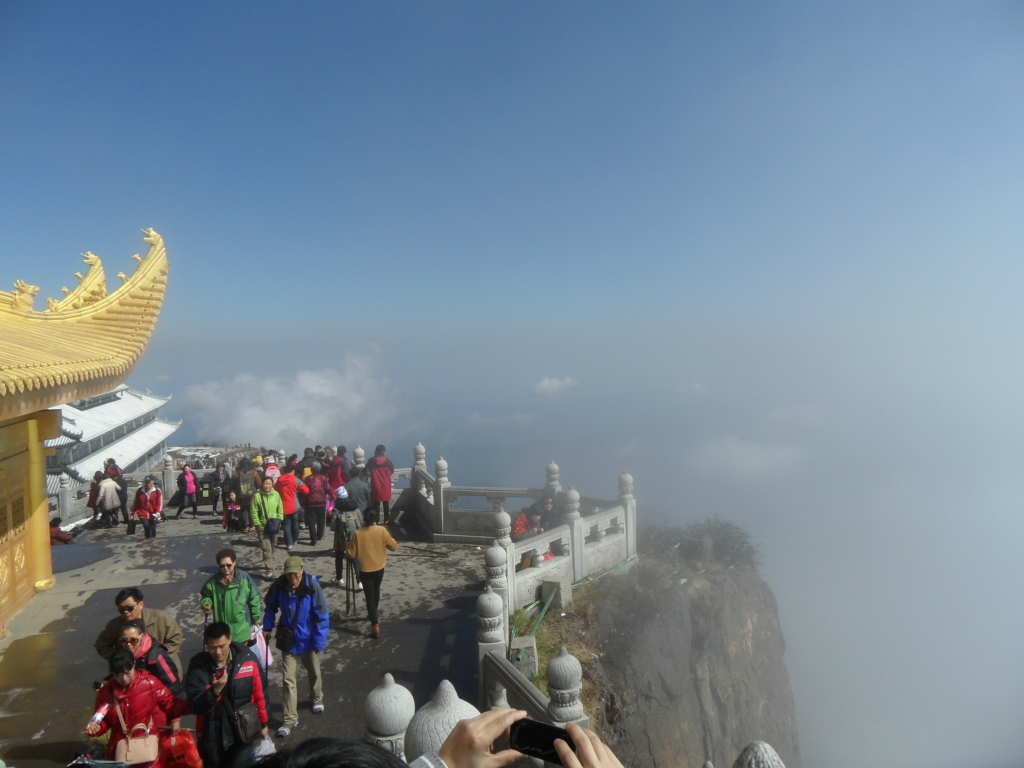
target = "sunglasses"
x: 131, y: 640
x: 229, y: 566
x: 123, y: 608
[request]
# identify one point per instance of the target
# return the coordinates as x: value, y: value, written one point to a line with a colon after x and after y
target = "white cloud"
x: 745, y: 460
x: 296, y: 410
x: 516, y: 419
x: 552, y: 387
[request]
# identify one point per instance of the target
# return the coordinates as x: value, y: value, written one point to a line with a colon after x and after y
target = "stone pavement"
x: 48, y: 664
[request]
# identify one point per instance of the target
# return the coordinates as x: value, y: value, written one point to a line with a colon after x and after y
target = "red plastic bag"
x: 179, y: 750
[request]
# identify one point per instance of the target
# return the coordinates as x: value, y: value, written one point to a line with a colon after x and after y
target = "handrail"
x: 520, y: 692
x: 544, y: 537
x: 486, y: 490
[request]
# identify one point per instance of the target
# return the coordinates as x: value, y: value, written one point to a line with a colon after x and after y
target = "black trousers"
x: 316, y: 521
x: 371, y: 588
x: 383, y: 511
x: 124, y: 510
x: 216, y: 497
x: 238, y: 756
x: 186, y: 499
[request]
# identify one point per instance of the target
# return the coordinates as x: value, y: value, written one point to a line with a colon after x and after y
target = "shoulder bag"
x: 245, y: 720
x: 136, y: 749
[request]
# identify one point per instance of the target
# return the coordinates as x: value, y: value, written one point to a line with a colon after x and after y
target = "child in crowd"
x: 231, y: 513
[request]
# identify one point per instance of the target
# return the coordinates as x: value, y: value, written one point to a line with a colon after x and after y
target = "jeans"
x: 149, y: 526
x: 291, y: 529
x: 243, y: 517
x: 316, y: 519
x: 189, y: 499
x: 371, y: 588
x: 290, y: 705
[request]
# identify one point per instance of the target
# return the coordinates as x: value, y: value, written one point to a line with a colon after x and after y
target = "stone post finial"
x: 419, y: 456
x: 625, y: 487
x: 168, y: 461
x: 431, y: 725
x: 489, y: 607
x: 495, y: 562
x: 758, y: 754
x: 552, y: 471
x: 65, y: 481
x: 359, y: 457
x: 565, y: 683
x: 389, y: 707
x: 571, y: 504
x: 502, y: 527
x: 441, y: 470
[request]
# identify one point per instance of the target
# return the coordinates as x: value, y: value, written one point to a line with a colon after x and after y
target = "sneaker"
x: 318, y: 708
x: 285, y: 730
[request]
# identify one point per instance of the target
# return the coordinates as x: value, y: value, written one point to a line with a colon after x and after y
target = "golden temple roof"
x: 81, y: 345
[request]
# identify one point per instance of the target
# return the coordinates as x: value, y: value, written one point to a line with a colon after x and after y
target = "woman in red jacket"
x: 133, y: 696
x: 149, y: 503
x: 287, y: 486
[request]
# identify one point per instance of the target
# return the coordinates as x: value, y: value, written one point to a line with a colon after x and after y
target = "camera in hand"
x: 536, y: 739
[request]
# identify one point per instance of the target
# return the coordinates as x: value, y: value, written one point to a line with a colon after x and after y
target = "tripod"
x: 351, y: 580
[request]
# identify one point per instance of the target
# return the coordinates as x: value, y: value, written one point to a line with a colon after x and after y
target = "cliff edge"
x: 683, y: 654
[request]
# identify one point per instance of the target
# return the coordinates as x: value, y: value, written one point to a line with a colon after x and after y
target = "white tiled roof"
x: 96, y: 421
x: 128, y: 448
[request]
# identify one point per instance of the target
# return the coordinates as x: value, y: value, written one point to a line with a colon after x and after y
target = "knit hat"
x: 258, y: 460
x: 293, y: 564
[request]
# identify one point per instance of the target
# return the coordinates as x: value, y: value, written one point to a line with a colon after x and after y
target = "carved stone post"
x: 64, y: 498
x: 502, y: 526
x: 496, y: 565
x: 389, y: 707
x: 441, y: 484
x: 629, y: 506
x: 758, y: 754
x: 419, y: 464
x: 431, y: 725
x: 168, y: 477
x: 359, y: 457
x: 552, y: 471
x: 490, y: 610
x: 571, y: 507
x: 565, y: 683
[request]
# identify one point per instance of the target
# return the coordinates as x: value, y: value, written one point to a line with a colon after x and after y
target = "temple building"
x: 81, y: 346
x: 121, y: 424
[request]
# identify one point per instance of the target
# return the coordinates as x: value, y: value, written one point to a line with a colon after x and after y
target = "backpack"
x: 246, y: 487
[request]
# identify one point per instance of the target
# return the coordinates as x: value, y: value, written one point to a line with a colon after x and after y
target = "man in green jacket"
x: 267, y: 514
x: 232, y: 597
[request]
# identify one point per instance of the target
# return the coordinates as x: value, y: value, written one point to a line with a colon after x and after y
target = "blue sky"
x: 770, y: 255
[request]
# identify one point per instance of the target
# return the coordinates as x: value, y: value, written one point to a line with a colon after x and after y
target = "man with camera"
x: 301, y: 635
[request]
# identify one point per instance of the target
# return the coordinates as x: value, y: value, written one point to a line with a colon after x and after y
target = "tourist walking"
x: 108, y: 499
x: 232, y: 597
x: 232, y: 514
x: 114, y: 471
x: 301, y: 635
x: 220, y: 484
x: 148, y: 505
x: 339, y: 470
x: 369, y: 548
x: 188, y: 487
x: 246, y: 484
x: 131, y: 698
x: 379, y: 470
x: 151, y: 656
x: 267, y: 518
x: 287, y: 486
x: 315, y: 493
x: 93, y: 501
x: 159, y: 624
x: 222, y: 679
x: 351, y: 502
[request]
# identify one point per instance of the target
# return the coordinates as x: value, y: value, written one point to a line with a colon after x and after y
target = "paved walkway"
x: 48, y: 665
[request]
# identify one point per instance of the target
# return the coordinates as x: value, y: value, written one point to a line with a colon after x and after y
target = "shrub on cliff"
x: 711, y: 541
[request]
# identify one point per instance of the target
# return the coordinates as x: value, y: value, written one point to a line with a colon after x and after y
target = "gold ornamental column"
x: 39, y: 517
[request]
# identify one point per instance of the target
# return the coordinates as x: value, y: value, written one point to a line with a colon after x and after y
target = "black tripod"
x: 351, y: 580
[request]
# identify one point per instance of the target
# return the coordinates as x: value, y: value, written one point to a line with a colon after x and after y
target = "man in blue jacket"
x: 301, y: 635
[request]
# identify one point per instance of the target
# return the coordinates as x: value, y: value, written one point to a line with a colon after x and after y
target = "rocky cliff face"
x: 689, y: 672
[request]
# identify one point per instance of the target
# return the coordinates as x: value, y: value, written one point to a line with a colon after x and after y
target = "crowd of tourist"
x: 225, y: 686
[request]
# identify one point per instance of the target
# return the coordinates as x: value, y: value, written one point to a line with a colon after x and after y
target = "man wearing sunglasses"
x: 159, y: 624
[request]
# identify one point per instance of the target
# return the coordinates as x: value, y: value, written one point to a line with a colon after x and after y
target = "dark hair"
x: 124, y: 594
x: 342, y: 450
x: 226, y: 553
x: 356, y: 471
x: 216, y: 630
x: 97, y: 477
x: 369, y: 517
x: 244, y: 465
x: 317, y: 467
x: 134, y: 624
x: 121, y: 661
x: 55, y: 521
x: 379, y: 450
x: 307, y: 452
x: 332, y: 753
x: 288, y: 469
